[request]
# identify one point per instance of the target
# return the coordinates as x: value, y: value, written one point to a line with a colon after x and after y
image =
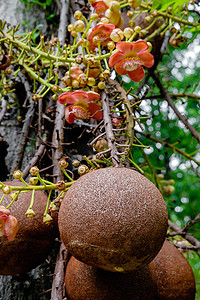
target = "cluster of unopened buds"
x: 167, y: 186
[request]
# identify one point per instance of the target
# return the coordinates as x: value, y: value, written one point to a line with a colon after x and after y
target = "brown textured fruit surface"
x: 173, y: 275
x: 113, y: 218
x: 84, y: 282
x: 33, y: 240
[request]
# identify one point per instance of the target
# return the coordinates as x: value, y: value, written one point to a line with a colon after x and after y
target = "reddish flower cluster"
x: 81, y: 106
x: 8, y: 224
x: 130, y: 58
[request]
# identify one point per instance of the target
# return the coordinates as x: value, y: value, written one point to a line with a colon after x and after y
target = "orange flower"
x: 8, y: 224
x: 100, y: 33
x: 100, y: 7
x: 130, y: 58
x: 82, y: 106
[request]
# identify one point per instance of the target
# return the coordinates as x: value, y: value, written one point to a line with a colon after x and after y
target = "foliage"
x: 43, y: 4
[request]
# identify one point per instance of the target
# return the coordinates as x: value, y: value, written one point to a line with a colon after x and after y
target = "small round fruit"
x: 34, y: 239
x: 114, y: 219
x: 84, y: 282
x: 173, y: 275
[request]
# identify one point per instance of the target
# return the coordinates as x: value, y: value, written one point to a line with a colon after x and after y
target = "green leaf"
x: 48, y: 2
x: 158, y: 5
x: 194, y: 29
x: 163, y: 5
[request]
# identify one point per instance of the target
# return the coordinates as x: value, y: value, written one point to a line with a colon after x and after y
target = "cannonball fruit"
x: 34, y: 238
x: 114, y: 219
x: 173, y: 275
x: 84, y: 282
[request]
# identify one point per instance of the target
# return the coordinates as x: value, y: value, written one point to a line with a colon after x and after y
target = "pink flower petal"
x: 4, y: 213
x: 95, y: 111
x: 136, y: 75
x: 119, y: 69
x: 146, y: 58
x: 139, y: 46
x: 66, y: 97
x: 80, y: 95
x: 115, y: 58
x: 124, y: 46
x: 11, y: 228
x: 92, y: 96
x: 69, y: 116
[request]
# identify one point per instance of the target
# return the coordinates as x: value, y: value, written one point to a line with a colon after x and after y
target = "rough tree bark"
x: 35, y: 284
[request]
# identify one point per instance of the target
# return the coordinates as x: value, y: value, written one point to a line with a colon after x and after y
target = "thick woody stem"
x: 58, y: 286
x: 128, y: 110
x: 3, y: 109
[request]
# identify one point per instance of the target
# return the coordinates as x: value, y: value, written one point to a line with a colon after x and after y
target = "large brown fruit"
x: 84, y: 282
x: 114, y: 219
x: 173, y: 275
x: 34, y: 238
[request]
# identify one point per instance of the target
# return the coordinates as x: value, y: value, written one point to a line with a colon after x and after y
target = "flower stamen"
x: 131, y: 64
x: 80, y: 112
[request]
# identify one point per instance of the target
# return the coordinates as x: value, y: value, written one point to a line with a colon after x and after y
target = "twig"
x: 144, y: 82
x: 23, y: 138
x: 191, y: 239
x: 187, y: 247
x: 96, y: 139
x: 151, y: 168
x: 40, y: 120
x: 97, y: 126
x: 34, y: 160
x: 58, y: 282
x: 44, y: 293
x: 192, y: 222
x: 172, y: 105
x: 27, y: 87
x: 108, y: 129
x: 26, y: 127
x: 164, y: 143
x: 3, y: 109
x: 178, y: 95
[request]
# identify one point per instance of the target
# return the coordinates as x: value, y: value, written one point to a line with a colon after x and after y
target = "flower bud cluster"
x: 167, y: 186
